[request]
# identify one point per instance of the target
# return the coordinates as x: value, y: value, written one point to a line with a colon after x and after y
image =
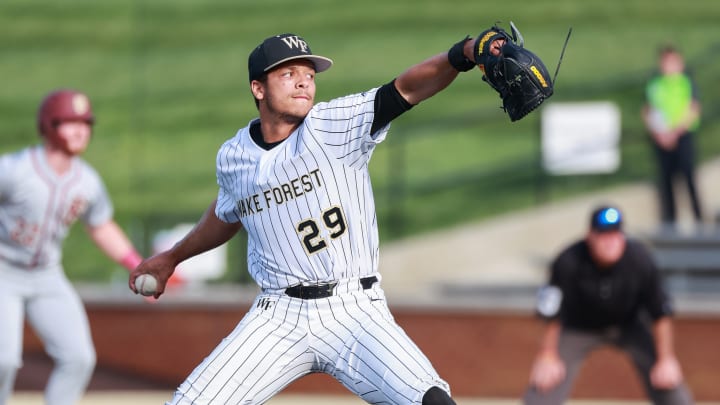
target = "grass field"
x: 168, y: 83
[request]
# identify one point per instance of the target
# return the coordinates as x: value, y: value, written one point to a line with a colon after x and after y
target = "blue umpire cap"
x: 606, y: 218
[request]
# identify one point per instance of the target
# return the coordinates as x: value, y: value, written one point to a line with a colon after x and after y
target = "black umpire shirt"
x: 594, y: 298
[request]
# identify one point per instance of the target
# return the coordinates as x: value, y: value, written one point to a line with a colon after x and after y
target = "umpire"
x: 605, y: 290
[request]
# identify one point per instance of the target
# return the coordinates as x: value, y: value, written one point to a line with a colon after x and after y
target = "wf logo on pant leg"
x: 265, y: 303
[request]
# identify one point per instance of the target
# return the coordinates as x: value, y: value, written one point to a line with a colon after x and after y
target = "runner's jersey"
x: 38, y: 206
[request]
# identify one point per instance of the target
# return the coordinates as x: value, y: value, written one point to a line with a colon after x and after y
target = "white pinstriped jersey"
x: 306, y: 204
x: 38, y: 206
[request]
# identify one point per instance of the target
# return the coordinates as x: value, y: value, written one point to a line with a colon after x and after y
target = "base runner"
x: 44, y: 189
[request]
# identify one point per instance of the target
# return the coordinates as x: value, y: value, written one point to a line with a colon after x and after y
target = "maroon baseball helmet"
x: 60, y: 106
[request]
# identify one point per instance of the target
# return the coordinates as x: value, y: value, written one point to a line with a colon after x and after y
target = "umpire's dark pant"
x: 678, y: 161
x: 636, y: 341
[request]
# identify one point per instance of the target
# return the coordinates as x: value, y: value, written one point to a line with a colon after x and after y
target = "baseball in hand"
x: 146, y: 285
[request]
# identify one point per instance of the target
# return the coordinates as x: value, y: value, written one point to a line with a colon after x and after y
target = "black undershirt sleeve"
x: 389, y: 104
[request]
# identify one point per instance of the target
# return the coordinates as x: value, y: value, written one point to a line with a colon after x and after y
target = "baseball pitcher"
x: 296, y: 179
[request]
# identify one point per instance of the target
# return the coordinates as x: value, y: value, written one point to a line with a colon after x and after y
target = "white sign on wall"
x: 581, y: 137
x: 205, y: 266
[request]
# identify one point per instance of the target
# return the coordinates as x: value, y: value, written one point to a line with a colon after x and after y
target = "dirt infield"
x: 158, y: 398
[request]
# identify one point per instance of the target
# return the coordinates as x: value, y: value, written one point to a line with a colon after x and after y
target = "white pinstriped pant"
x: 352, y: 336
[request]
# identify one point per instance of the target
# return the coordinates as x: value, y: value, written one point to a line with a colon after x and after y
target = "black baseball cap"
x: 282, y: 48
x: 606, y: 218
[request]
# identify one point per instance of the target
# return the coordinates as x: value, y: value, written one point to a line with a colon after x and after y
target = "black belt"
x: 323, y: 290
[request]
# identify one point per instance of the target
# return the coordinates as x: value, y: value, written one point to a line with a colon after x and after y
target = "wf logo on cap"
x: 295, y: 42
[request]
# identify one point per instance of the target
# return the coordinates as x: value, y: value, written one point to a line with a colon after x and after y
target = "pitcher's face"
x: 289, y: 91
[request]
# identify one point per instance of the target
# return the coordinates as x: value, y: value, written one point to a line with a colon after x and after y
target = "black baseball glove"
x: 518, y: 75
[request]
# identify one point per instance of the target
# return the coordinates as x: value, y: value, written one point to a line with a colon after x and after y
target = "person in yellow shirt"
x: 672, y: 117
